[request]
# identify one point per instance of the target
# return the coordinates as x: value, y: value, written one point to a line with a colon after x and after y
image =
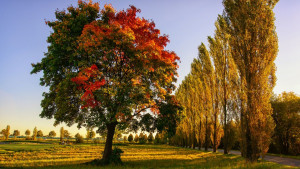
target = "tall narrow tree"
x: 254, y: 48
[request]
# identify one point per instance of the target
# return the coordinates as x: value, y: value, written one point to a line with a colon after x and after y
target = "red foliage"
x: 114, y: 35
x: 89, y: 80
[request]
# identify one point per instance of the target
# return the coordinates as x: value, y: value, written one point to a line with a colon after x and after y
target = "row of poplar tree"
x: 227, y: 93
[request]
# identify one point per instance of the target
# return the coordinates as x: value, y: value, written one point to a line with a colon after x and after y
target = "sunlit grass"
x: 134, y: 156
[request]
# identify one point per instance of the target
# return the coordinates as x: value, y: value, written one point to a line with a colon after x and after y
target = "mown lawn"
x: 135, y: 156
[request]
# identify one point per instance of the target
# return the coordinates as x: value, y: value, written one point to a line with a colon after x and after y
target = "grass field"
x: 20, y: 154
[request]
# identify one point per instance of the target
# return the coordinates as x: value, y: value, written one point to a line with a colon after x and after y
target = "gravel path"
x: 275, y: 159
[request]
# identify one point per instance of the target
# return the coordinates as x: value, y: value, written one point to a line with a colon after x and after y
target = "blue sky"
x: 23, y: 35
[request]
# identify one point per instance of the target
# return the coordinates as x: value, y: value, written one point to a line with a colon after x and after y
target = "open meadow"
x: 36, y: 154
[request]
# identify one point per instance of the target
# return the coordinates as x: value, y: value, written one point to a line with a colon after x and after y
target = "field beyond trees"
x: 52, y: 155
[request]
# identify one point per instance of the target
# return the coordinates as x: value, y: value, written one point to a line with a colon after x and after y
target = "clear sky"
x: 23, y: 35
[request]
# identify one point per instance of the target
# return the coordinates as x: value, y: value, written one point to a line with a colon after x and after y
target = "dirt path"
x: 275, y: 159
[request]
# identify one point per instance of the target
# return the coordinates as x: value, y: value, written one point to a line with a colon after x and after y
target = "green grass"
x: 50, y: 156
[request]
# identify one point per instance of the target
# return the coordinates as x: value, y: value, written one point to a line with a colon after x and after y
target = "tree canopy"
x: 105, y: 68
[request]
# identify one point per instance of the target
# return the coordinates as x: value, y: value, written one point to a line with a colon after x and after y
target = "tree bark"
x: 108, y: 144
x: 206, y: 134
x: 200, y: 143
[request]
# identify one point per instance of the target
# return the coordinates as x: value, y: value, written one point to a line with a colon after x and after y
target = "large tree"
x: 104, y: 68
x: 226, y: 77
x: 254, y: 48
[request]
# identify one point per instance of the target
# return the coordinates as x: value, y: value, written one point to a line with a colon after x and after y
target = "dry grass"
x: 135, y: 156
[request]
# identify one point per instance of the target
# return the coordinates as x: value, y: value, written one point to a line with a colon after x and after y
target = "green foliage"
x: 286, y: 115
x: 104, y: 68
x: 130, y: 138
x: 142, y: 139
x: 115, y: 157
x: 170, y: 116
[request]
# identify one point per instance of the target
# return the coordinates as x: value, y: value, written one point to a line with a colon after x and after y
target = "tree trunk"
x: 108, y: 144
x: 200, y: 142
x: 225, y: 127
x: 206, y: 134
x: 215, y: 133
x: 194, y: 134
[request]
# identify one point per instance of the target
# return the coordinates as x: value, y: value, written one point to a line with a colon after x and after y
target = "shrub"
x: 115, y: 157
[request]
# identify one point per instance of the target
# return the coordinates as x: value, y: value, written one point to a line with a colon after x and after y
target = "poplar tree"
x: 5, y: 132
x: 254, y: 48
x: 62, y: 133
x: 34, y: 133
x: 208, y: 85
x: 226, y: 76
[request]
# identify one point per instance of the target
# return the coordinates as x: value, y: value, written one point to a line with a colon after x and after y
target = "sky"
x: 23, y: 35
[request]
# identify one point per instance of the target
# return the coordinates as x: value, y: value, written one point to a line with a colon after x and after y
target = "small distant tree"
x: 67, y: 134
x: 16, y: 133
x: 136, y: 138
x: 150, y: 138
x: 52, y: 134
x: 157, y: 139
x: 119, y: 136
x: 130, y: 138
x: 78, y: 138
x: 90, y: 134
x: 40, y: 133
x: 125, y: 139
x: 62, y: 134
x: 27, y: 133
x: 142, y: 139
x: 34, y: 133
x: 5, y: 132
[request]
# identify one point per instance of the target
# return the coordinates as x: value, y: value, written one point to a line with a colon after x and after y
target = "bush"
x: 116, y: 156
